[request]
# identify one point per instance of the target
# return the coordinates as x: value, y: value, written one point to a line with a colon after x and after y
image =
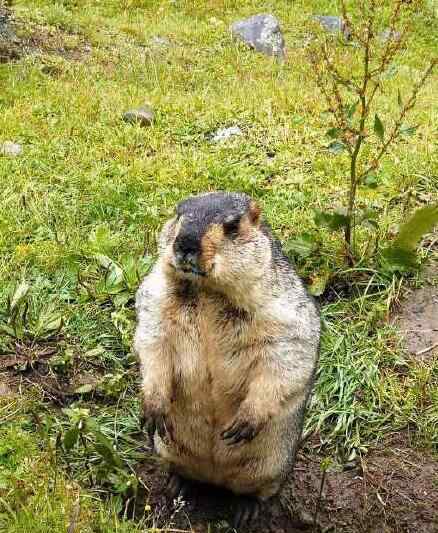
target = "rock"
x: 389, y: 35
x: 225, y: 133
x: 6, y: 32
x: 159, y: 42
x: 11, y: 149
x: 333, y: 24
x: 261, y: 32
x: 143, y: 116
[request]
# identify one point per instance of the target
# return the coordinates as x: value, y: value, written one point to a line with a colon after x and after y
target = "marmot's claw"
x: 177, y: 487
x: 247, y: 511
x: 238, y: 432
x: 160, y: 424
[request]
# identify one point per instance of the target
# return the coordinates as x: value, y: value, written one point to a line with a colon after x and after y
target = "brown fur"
x: 237, y: 346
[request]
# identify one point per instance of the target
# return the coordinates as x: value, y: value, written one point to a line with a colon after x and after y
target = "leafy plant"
x: 400, y: 255
x: 358, y: 129
x: 26, y: 322
x: 85, y: 432
x: 112, y: 281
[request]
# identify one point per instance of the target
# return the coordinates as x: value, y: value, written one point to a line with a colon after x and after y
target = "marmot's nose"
x: 186, y: 253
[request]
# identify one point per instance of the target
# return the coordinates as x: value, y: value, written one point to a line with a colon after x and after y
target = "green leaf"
x: 71, y: 437
x: 399, y: 98
x: 408, y: 130
x: 399, y: 260
x: 371, y: 181
x: 351, y: 109
x: 421, y: 222
x: 334, y: 221
x: 86, y: 388
x: 401, y: 254
x: 378, y: 127
x: 336, y: 147
x: 319, y: 283
x: 369, y: 217
x: 19, y: 294
x: 302, y: 246
x: 333, y: 133
x: 105, y: 449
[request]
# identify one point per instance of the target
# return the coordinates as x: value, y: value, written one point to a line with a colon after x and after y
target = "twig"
x: 318, y: 503
x: 425, y: 350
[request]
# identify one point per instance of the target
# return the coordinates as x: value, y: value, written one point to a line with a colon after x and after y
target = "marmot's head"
x: 215, y: 238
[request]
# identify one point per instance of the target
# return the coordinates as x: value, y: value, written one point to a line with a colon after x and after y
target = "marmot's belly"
x: 197, y: 451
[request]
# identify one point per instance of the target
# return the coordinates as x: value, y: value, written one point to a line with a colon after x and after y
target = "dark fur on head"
x: 209, y: 227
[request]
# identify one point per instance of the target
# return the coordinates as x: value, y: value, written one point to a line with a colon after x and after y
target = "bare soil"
x: 417, y: 317
x: 393, y: 489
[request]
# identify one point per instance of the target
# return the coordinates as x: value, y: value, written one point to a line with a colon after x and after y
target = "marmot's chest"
x: 211, y: 341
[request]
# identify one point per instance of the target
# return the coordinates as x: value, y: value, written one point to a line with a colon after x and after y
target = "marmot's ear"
x: 254, y: 212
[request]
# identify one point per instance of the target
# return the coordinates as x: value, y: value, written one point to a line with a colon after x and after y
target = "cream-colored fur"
x: 239, y: 345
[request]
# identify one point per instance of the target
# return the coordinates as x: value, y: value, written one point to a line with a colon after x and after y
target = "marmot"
x: 228, y: 340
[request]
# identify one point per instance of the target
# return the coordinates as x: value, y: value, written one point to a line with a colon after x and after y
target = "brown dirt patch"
x: 392, y: 490
x: 417, y: 317
x: 25, y: 38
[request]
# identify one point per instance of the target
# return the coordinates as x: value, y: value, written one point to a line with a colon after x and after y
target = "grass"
x: 84, y: 202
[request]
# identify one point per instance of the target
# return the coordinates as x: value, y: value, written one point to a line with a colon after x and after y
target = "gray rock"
x: 10, y: 149
x: 143, y: 116
x: 390, y: 35
x: 159, y: 42
x: 6, y: 32
x: 261, y: 32
x: 225, y: 133
x: 333, y: 24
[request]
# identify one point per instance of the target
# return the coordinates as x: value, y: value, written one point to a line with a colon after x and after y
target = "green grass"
x: 89, y: 184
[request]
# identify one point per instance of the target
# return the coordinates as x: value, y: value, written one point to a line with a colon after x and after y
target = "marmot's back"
x: 228, y: 340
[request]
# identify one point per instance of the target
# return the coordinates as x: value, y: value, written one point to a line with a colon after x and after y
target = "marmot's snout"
x: 187, y: 253
x: 205, y: 230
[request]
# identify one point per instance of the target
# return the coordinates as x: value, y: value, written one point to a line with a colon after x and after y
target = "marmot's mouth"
x: 188, y: 270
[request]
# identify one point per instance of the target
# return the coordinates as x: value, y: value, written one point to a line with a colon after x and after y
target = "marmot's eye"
x: 231, y: 226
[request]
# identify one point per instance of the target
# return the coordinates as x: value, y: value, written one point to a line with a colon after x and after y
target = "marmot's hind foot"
x: 247, y: 511
x: 177, y: 487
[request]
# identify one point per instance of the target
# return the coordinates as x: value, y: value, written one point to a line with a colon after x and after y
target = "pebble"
x: 143, y: 116
x: 11, y: 149
x: 225, y: 133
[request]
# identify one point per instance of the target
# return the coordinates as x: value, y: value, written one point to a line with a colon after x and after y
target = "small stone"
x: 390, y: 35
x: 11, y: 149
x: 143, y: 116
x: 225, y: 133
x: 262, y: 33
x: 333, y: 24
x: 159, y: 42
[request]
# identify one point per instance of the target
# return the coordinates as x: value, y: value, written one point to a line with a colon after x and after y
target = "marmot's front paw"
x: 240, y: 430
x: 156, y: 420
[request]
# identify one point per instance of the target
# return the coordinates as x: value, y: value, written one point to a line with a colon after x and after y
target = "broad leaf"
x: 105, y: 449
x: 71, y: 437
x: 319, y: 283
x: 378, y: 127
x: 334, y: 221
x: 336, y: 147
x: 19, y: 294
x: 401, y: 254
x: 408, y: 130
x: 371, y: 181
x: 333, y: 133
x: 302, y: 246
